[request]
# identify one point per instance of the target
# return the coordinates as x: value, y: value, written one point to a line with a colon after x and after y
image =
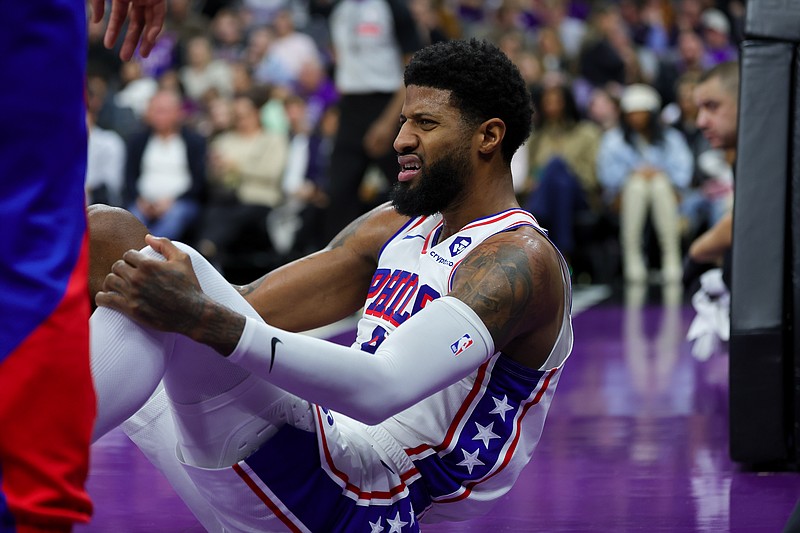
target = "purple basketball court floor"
x: 636, y: 440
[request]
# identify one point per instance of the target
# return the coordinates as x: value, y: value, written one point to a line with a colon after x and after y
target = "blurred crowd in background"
x: 230, y: 136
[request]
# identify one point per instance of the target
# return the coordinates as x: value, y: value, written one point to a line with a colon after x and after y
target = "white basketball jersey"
x: 449, y: 457
x: 470, y: 441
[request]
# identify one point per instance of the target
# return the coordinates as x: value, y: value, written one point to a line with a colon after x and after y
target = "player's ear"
x: 491, y: 133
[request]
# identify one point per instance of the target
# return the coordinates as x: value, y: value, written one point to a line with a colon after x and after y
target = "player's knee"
x: 112, y: 232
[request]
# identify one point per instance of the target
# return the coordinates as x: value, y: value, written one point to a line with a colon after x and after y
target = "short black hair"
x: 483, y: 84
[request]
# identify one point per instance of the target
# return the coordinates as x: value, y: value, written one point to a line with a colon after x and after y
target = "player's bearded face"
x: 439, y: 184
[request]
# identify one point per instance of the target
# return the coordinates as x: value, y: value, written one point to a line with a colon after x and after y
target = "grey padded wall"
x: 773, y: 19
x: 794, y: 278
x: 759, y: 396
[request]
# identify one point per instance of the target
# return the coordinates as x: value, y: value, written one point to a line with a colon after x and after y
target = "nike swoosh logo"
x: 275, y: 341
x: 414, y: 237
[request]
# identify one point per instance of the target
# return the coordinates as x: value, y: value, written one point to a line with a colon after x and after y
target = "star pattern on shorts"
x: 470, y: 460
x: 485, y: 434
x: 413, y: 518
x: 396, y: 525
x: 501, y: 407
x: 376, y: 527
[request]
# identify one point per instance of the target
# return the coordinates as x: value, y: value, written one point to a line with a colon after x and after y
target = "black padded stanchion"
x: 794, y: 246
x: 773, y: 19
x: 758, y: 387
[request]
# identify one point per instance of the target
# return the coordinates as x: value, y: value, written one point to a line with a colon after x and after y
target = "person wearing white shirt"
x: 104, y: 166
x: 165, y: 176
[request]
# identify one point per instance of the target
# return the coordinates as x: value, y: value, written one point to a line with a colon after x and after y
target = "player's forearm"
x: 216, y: 326
x: 712, y: 245
x: 440, y: 345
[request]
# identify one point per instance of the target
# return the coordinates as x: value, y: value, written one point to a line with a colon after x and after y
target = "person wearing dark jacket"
x: 165, y: 170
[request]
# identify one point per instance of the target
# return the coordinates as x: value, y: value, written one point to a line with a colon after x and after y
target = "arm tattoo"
x: 217, y: 327
x: 498, y: 283
x: 251, y: 287
x: 191, y: 313
x: 346, y: 234
x: 178, y: 312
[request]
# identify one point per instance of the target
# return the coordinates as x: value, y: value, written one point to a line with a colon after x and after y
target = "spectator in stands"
x: 227, y: 36
x: 530, y: 66
x: 217, y: 119
x: 108, y: 115
x: 607, y: 55
x: 507, y: 18
x: 551, y: 52
x: 262, y: 12
x: 691, y: 53
x: 513, y: 43
x: 711, y: 188
x: 271, y: 100
x: 447, y: 19
x: 428, y: 21
x: 298, y: 222
x: 643, y: 166
x: 373, y: 40
x: 603, y: 109
x: 185, y: 22
x: 563, y: 160
x: 164, y: 57
x: 258, y: 43
x: 202, y: 73
x: 687, y: 59
x: 717, y: 97
x: 688, y: 15
x: 246, y: 165
x: 317, y: 89
x: 569, y: 28
x: 288, y: 52
x: 242, y: 81
x: 716, y: 34
x: 311, y: 235
x: 101, y: 61
x: 646, y: 24
x: 473, y: 17
x: 165, y: 174
x: 105, y: 152
x: 136, y: 89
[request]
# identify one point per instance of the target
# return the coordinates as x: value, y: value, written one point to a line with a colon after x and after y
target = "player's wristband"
x: 441, y: 344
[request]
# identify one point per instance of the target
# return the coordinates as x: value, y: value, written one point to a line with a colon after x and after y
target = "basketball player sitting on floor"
x: 437, y: 406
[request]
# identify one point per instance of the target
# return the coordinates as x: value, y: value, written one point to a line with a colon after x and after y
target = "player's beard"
x: 437, y: 187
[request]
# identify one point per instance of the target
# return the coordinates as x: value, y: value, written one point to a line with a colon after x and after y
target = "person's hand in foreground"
x: 145, y: 21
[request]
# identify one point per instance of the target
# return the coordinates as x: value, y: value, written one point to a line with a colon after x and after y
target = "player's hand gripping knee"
x: 164, y: 295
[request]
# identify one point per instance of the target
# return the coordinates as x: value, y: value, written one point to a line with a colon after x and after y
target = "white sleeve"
x: 441, y: 344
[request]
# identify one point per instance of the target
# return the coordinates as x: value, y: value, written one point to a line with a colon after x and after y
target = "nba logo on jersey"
x: 461, y: 344
x: 459, y: 245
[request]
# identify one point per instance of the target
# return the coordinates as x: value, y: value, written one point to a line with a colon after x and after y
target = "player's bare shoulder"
x: 513, y: 281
